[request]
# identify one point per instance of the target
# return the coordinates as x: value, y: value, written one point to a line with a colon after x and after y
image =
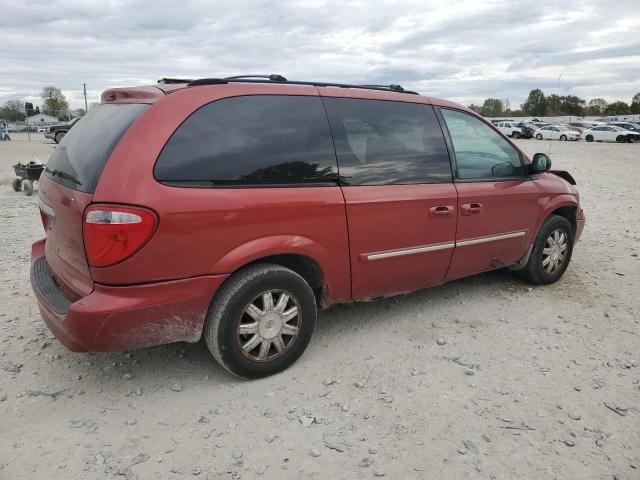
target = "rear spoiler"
x: 564, y: 175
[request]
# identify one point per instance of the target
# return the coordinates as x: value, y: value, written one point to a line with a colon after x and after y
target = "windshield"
x: 82, y: 154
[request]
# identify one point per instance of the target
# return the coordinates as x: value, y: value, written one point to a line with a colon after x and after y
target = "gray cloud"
x: 464, y: 50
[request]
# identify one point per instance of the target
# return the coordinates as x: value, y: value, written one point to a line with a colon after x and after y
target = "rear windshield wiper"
x: 62, y: 174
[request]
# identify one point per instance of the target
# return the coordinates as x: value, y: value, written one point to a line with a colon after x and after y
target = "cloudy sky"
x: 461, y: 50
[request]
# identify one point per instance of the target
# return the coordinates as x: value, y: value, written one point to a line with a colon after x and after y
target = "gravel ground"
x: 529, y: 382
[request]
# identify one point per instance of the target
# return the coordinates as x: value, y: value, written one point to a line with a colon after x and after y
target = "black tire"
x: 59, y: 136
x: 620, y: 139
x: 534, y: 271
x: 563, y: 138
x: 516, y: 135
x: 589, y: 138
x: 539, y: 136
x: 16, y: 184
x: 227, y: 311
x: 27, y: 186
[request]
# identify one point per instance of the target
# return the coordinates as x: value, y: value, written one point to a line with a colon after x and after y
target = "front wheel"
x: 516, y: 135
x: 260, y: 321
x: 589, y: 138
x: 551, y: 252
x: 59, y: 136
x: 539, y: 136
x: 563, y: 138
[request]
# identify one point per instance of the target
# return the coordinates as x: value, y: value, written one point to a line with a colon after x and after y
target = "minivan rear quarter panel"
x: 204, y: 231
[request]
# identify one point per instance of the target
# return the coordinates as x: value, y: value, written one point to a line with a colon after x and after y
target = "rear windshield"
x: 79, y: 159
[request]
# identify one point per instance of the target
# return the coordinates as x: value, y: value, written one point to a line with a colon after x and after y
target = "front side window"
x: 481, y: 153
x: 251, y: 140
x: 382, y: 142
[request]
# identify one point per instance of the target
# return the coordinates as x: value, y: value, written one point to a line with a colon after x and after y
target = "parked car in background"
x: 581, y: 126
x: 634, y: 127
x: 57, y: 132
x: 276, y: 199
x: 510, y: 129
x: 610, y: 133
x: 540, y: 124
x: 527, y: 129
x: 556, y: 132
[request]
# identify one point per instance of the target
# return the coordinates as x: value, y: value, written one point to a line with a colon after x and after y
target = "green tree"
x: 492, y: 107
x: 28, y: 108
x: 12, y: 111
x: 617, y: 108
x: 597, y: 105
x: 635, y: 103
x: 535, y: 104
x: 553, y: 102
x: 54, y: 102
x: 572, y: 105
x: 475, y: 108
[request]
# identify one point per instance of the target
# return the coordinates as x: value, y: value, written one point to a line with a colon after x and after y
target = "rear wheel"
x: 516, y: 135
x: 27, y: 186
x: 589, y: 138
x: 16, y: 184
x: 260, y: 321
x: 563, y: 138
x: 539, y: 136
x: 551, y: 251
x: 59, y: 136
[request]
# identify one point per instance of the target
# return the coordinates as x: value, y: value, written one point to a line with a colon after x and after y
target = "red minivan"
x: 234, y: 208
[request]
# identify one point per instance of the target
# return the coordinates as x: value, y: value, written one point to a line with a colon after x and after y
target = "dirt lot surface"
x: 529, y: 383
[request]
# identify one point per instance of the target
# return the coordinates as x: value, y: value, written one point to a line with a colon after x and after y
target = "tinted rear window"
x: 251, y: 140
x: 79, y: 159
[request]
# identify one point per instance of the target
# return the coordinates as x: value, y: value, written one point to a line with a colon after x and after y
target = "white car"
x: 610, y: 133
x: 510, y: 129
x: 556, y: 132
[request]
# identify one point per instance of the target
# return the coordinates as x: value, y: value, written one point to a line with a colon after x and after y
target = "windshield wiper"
x: 64, y: 175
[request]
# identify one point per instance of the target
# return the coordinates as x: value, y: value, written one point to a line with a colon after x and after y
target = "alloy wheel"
x: 554, y: 253
x: 269, y: 325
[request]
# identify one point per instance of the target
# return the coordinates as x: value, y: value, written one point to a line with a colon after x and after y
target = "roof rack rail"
x: 274, y: 78
x: 167, y: 81
x: 395, y: 88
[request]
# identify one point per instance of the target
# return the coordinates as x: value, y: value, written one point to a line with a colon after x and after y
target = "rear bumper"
x: 48, y: 135
x: 123, y: 318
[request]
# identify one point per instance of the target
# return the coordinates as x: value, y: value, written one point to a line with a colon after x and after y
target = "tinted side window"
x: 480, y: 151
x: 260, y: 139
x: 380, y: 142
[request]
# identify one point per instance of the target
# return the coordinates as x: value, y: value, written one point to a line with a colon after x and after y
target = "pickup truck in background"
x: 57, y: 132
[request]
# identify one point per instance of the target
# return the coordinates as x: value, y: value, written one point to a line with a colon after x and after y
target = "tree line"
x: 539, y: 105
x: 54, y: 103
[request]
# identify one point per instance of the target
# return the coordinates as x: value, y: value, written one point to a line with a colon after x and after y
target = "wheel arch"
x: 311, y: 261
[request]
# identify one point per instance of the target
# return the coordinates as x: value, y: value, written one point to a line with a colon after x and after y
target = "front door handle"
x: 440, y: 211
x: 471, y: 208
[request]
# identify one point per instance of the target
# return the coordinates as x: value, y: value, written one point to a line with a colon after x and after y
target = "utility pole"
x: 84, y: 88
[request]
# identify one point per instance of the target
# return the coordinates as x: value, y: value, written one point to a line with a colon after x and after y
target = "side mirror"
x: 540, y: 164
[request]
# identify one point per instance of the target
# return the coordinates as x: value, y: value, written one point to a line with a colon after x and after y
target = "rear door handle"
x: 471, y: 208
x: 440, y: 211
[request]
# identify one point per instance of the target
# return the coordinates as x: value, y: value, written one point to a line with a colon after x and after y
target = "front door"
x: 497, y: 203
x: 400, y: 201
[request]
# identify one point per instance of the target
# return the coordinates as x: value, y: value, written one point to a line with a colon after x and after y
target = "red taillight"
x: 113, y: 233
